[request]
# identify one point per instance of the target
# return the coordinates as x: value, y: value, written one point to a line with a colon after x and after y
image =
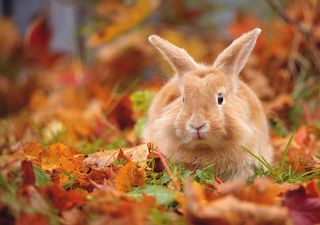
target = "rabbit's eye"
x: 220, y: 99
x: 183, y: 99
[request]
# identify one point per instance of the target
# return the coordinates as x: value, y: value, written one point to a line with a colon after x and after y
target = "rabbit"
x: 205, y: 113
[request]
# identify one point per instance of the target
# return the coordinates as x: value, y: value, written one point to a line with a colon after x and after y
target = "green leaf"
x: 42, y: 179
x: 141, y: 100
x: 163, y: 196
x: 158, y: 217
x: 139, y: 125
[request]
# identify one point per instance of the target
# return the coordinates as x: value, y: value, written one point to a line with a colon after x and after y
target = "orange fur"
x: 187, y: 123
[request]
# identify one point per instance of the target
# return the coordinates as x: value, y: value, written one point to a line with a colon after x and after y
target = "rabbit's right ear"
x: 232, y: 60
x: 178, y: 58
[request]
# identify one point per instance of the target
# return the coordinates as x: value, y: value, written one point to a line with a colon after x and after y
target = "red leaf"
x: 303, y: 210
x: 34, y: 219
x: 62, y: 199
x: 313, y: 189
x: 37, y: 41
x: 28, y: 174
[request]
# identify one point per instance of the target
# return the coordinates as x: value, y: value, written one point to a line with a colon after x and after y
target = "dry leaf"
x: 303, y: 210
x: 102, y: 159
x: 230, y: 210
x: 58, y: 156
x: 130, y: 175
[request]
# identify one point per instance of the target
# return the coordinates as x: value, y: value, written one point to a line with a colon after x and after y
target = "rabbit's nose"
x: 198, y: 127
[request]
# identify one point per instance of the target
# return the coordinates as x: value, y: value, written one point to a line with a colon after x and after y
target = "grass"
x: 283, y: 172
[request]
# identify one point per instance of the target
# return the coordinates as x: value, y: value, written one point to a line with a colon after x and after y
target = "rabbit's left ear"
x: 179, y: 59
x: 232, y: 60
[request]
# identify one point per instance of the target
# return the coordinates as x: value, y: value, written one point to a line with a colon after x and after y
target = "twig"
x: 165, y: 164
x: 306, y: 32
x: 284, y: 15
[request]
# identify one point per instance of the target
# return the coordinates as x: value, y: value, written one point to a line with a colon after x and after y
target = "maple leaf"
x: 303, y: 210
x: 133, y: 15
x: 104, y: 159
x: 230, y: 210
x: 28, y: 173
x: 58, y: 156
x: 62, y: 199
x: 34, y: 219
x: 32, y: 151
x: 304, y: 149
x: 312, y: 189
x: 37, y: 41
x: 115, y: 207
x: 262, y: 191
x: 130, y: 175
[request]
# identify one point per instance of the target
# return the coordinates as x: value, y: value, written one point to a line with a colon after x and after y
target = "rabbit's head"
x: 209, y: 93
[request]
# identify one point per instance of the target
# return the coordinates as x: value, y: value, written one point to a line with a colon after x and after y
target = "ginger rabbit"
x: 205, y: 113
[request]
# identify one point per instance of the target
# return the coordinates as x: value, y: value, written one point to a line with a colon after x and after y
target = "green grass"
x: 283, y: 172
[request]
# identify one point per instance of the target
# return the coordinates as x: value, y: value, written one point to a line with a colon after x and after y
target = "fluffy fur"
x: 187, y: 123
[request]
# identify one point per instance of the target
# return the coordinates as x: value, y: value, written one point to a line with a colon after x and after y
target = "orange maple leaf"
x: 130, y: 175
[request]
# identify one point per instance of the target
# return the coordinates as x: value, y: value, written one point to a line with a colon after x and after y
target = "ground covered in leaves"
x: 70, y: 130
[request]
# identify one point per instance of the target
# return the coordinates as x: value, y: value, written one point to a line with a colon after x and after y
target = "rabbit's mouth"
x: 199, y: 135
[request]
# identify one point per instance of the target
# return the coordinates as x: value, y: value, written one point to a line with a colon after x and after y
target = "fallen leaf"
x: 34, y: 219
x: 312, y: 189
x: 28, y: 173
x: 230, y: 210
x: 303, y: 210
x: 114, y: 207
x: 58, y: 156
x: 73, y: 216
x: 102, y: 159
x: 130, y: 175
x: 32, y: 152
x: 61, y: 199
x: 134, y: 15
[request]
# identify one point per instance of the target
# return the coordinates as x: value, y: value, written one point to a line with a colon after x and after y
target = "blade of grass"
x: 285, y: 152
x: 262, y: 161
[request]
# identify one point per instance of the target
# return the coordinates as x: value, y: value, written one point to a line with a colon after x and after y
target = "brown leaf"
x: 302, y: 151
x: 28, y: 174
x: 63, y: 200
x: 34, y: 219
x: 102, y: 159
x: 73, y: 216
x: 114, y: 207
x: 230, y: 210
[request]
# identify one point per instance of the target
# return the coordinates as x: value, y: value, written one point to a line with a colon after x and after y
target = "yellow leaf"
x: 32, y: 151
x: 130, y: 175
x: 57, y: 156
x: 134, y: 15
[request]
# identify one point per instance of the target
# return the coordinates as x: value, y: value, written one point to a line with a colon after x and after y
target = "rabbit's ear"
x: 232, y: 60
x: 179, y: 59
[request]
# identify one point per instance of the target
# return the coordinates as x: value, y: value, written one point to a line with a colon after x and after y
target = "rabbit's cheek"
x: 179, y: 125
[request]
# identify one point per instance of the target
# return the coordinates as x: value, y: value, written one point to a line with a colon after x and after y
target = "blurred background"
x: 82, y: 72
